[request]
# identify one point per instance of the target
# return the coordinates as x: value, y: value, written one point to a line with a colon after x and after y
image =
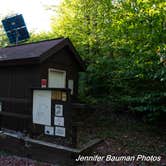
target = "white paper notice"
x: 60, y: 131
x: 58, y: 110
x: 59, y: 121
x: 42, y: 107
x: 49, y: 130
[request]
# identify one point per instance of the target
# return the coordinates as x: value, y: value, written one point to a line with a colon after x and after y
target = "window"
x: 56, y: 78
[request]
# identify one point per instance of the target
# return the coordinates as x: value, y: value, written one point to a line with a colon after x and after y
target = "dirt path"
x: 114, y: 148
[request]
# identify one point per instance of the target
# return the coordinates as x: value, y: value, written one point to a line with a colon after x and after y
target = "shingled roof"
x: 36, y: 52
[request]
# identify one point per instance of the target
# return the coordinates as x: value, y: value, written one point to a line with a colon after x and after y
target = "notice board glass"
x: 42, y: 107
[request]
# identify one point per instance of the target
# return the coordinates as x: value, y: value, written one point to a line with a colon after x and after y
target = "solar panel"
x: 15, y: 28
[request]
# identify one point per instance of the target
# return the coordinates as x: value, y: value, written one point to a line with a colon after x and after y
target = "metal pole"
x: 16, y: 36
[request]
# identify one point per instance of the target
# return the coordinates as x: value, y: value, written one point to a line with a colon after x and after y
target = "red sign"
x: 43, y: 83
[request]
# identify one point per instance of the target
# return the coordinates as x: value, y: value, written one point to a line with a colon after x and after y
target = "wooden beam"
x: 52, y: 145
x: 22, y: 116
x: 16, y: 100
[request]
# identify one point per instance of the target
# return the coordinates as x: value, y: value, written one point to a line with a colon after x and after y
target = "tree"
x: 123, y: 43
x: 3, y: 38
x: 85, y: 26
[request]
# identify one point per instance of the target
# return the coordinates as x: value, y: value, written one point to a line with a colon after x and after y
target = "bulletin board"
x: 42, y: 107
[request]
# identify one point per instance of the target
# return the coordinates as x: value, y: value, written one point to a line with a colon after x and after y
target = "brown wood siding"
x: 62, y: 60
x: 16, y: 94
x: 15, y: 82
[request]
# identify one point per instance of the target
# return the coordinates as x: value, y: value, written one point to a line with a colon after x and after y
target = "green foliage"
x: 3, y: 38
x: 40, y: 36
x: 123, y: 43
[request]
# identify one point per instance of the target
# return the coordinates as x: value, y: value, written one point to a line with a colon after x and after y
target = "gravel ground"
x: 19, y: 161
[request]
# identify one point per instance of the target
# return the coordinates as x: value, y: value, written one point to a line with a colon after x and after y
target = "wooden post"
x: 74, y: 136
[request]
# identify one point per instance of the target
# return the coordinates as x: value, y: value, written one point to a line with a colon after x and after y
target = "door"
x: 56, y: 78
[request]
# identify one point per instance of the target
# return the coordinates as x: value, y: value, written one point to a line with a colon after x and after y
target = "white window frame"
x: 56, y: 70
x: 71, y: 86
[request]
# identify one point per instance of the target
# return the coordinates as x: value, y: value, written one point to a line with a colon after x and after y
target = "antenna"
x: 15, y: 29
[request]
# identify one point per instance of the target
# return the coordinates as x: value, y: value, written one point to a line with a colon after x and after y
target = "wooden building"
x: 22, y: 68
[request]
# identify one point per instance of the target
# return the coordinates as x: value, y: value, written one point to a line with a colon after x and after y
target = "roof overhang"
x: 44, y: 56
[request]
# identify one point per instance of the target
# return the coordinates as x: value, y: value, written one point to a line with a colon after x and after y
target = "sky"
x: 36, y: 17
